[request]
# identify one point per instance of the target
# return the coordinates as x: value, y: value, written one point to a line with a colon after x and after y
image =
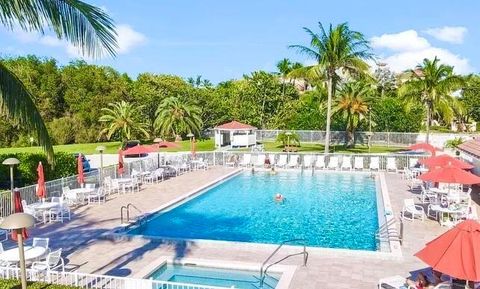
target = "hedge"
x: 16, y: 284
x: 26, y: 172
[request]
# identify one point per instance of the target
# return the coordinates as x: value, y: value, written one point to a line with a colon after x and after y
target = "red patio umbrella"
x: 423, y: 147
x: 450, y: 174
x: 18, y: 209
x: 165, y: 144
x: 80, y: 176
x: 41, y: 189
x: 456, y: 252
x: 445, y: 160
x: 138, y: 150
x: 120, y: 162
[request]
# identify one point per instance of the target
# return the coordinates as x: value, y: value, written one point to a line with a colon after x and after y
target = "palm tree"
x: 175, y: 117
x: 339, y: 48
x: 122, y: 118
x: 353, y: 106
x: 432, y: 84
x: 83, y: 25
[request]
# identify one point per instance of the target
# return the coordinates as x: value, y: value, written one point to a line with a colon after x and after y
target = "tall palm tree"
x: 432, y: 85
x: 85, y: 26
x: 122, y: 118
x: 175, y: 117
x: 337, y: 48
x: 353, y: 105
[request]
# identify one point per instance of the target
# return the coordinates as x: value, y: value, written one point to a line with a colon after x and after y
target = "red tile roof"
x: 472, y: 147
x: 235, y: 125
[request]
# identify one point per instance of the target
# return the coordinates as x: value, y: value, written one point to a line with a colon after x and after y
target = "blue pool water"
x: 214, y: 277
x: 328, y: 209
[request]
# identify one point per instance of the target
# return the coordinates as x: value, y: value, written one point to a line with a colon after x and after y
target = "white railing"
x: 94, y: 281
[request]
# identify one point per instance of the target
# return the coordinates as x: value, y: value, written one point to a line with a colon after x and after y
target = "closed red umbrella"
x: 423, y: 147
x: 41, y: 189
x: 80, y: 176
x: 138, y: 150
x: 18, y: 209
x: 445, y: 160
x: 456, y: 252
x: 120, y: 162
x: 450, y: 174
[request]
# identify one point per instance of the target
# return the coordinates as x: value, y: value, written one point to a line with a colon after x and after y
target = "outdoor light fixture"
x: 101, y: 149
x: 11, y: 162
x: 18, y: 222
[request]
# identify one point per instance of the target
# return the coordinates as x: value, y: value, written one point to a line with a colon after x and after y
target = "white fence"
x: 93, y: 281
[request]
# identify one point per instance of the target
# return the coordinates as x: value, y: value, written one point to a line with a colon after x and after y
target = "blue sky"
x: 221, y: 40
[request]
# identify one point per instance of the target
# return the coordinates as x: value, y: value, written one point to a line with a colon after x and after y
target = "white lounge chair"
x: 232, y: 161
x: 282, y: 161
x: 347, y: 163
x: 413, y: 210
x: 53, y: 262
x: 375, y: 163
x: 391, y: 165
x: 260, y: 161
x: 320, y: 162
x: 393, y: 282
x: 308, y: 161
x: 246, y: 161
x: 412, y: 162
x: 293, y: 163
x: 358, y: 165
x: 333, y: 163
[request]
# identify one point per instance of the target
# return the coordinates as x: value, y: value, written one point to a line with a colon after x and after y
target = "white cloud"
x: 128, y: 38
x: 406, y: 49
x: 403, y: 41
x: 452, y: 34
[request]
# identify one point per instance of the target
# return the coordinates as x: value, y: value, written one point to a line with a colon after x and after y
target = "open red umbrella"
x: 18, y: 209
x: 120, y: 162
x: 456, y: 252
x: 165, y: 144
x: 423, y: 147
x: 138, y: 150
x: 80, y: 176
x: 445, y: 160
x: 450, y: 174
x: 41, y: 189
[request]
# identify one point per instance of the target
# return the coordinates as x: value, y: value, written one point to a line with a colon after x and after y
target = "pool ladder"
x: 387, y: 232
x: 126, y: 209
x: 265, y: 267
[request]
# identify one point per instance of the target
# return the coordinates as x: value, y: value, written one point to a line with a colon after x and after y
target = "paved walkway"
x: 87, y: 252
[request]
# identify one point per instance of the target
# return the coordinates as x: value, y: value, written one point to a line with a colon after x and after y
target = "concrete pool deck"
x: 86, y: 250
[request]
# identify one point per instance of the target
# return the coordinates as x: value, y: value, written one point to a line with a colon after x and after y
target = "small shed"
x: 235, y: 134
x: 470, y: 151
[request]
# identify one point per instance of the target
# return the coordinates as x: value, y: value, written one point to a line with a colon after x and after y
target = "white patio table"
x: 42, y: 207
x: 79, y: 194
x: 123, y: 182
x: 31, y: 253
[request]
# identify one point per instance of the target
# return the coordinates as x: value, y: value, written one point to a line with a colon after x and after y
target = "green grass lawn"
x: 315, y: 147
x: 111, y: 147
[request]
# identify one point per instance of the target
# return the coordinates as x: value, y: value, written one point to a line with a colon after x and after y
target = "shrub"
x: 454, y: 143
x: 15, y: 284
x: 293, y: 139
x: 26, y: 172
x: 63, y: 130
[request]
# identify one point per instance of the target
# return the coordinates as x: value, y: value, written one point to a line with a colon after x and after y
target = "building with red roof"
x: 235, y: 134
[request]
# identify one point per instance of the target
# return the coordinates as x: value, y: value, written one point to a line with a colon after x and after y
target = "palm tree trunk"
x: 329, y: 114
x: 427, y: 126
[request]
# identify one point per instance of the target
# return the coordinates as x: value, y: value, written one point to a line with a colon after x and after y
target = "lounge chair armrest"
x: 420, y: 208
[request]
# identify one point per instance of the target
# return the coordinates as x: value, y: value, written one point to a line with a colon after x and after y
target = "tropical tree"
x: 353, y: 106
x: 176, y: 116
x: 85, y: 26
x: 432, y: 85
x: 122, y: 119
x: 335, y: 49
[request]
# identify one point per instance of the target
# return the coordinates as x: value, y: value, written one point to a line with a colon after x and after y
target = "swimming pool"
x: 327, y: 209
x: 200, y: 275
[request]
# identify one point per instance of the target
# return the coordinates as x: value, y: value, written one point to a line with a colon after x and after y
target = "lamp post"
x: 18, y: 222
x: 11, y: 162
x: 101, y: 149
x: 190, y: 136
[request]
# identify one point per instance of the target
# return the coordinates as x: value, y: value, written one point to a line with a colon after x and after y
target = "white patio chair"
x: 40, y: 242
x: 346, y: 163
x: 409, y: 207
x: 31, y: 211
x: 232, y: 161
x: 246, y: 161
x: 427, y: 196
x: 391, y: 165
x: 260, y: 161
x: 97, y: 196
x: 375, y: 163
x: 293, y: 163
x: 320, y: 162
x: 282, y: 161
x: 53, y: 215
x: 412, y: 162
x: 358, y: 163
x: 201, y: 164
x: 308, y: 161
x: 333, y: 163
x: 53, y: 262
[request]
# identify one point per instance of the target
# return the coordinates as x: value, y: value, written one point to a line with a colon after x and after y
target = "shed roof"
x: 235, y: 125
x: 472, y: 147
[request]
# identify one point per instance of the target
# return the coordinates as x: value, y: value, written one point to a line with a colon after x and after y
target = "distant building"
x: 470, y: 151
x: 235, y: 134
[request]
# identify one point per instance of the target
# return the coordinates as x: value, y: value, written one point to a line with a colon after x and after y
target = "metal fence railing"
x: 94, y: 281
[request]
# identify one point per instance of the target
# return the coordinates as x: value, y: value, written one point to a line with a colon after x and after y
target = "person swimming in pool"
x: 272, y: 171
x: 279, y: 198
